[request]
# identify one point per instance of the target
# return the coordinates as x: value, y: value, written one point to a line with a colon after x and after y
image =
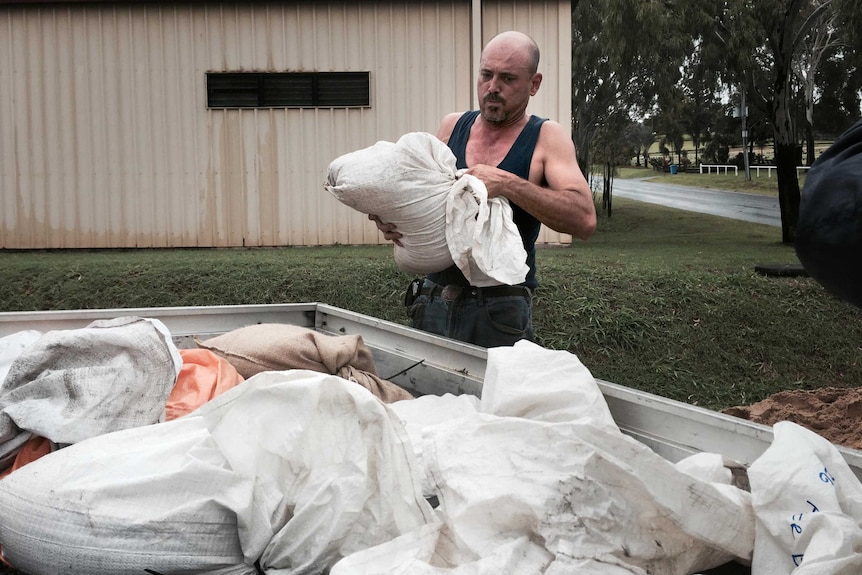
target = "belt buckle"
x: 451, y: 292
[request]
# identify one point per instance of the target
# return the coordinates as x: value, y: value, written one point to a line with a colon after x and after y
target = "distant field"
x: 759, y: 184
x: 766, y: 150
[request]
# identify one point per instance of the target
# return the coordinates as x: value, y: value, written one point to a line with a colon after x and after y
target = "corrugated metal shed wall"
x: 106, y: 141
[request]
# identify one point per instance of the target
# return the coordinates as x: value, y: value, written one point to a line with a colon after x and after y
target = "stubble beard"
x: 493, y: 112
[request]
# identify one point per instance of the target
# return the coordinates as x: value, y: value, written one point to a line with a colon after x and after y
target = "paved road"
x: 748, y: 207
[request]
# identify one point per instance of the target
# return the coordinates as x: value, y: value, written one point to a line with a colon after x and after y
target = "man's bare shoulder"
x: 554, y: 136
x: 553, y: 130
x: 447, y: 125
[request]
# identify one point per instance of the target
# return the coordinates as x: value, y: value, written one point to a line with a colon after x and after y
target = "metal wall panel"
x: 106, y: 140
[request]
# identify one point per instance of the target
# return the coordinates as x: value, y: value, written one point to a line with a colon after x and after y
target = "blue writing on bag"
x: 796, y: 520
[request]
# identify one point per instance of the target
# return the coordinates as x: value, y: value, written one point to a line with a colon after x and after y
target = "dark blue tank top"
x: 517, y: 161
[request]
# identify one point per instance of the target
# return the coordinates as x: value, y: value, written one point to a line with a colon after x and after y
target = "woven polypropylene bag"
x: 444, y: 217
x: 405, y: 183
x: 291, y: 469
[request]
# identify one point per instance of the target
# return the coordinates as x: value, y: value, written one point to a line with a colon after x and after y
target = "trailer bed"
x: 427, y: 364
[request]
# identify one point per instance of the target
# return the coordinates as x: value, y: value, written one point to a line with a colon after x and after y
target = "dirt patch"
x: 834, y: 413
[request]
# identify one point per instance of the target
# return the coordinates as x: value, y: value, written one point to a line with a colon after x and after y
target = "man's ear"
x: 535, y: 82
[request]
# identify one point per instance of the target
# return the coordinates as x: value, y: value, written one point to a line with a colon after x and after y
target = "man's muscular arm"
x: 565, y: 202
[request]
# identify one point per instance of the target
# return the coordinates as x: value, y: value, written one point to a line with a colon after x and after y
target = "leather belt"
x: 453, y: 291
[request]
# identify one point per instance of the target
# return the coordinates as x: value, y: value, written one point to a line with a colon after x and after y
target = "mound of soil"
x: 834, y: 413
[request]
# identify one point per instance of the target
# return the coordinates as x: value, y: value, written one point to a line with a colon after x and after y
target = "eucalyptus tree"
x: 669, y: 122
x: 829, y: 42
x: 757, y: 44
x: 838, y: 79
x: 613, y: 146
x: 623, y: 55
x: 760, y: 131
x: 838, y: 105
x: 643, y: 137
x: 674, y: 136
x: 701, y: 100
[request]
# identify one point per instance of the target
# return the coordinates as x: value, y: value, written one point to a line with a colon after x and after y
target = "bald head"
x: 516, y: 43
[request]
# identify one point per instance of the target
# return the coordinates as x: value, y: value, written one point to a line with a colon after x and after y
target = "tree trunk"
x: 809, y: 143
x: 788, y: 189
x: 582, y: 136
x: 583, y: 133
x: 786, y: 149
x: 607, y: 189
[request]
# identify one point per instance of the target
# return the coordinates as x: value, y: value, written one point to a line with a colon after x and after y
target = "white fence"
x: 756, y: 169
x: 770, y: 168
x: 718, y: 168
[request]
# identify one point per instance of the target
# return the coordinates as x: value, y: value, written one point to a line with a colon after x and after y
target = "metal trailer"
x: 427, y: 364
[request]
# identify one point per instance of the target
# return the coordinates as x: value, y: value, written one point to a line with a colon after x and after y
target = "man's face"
x: 505, y: 85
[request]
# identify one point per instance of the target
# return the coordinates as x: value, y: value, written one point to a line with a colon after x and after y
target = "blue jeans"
x: 481, y: 320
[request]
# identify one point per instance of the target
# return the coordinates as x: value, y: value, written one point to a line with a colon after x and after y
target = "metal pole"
x: 743, y: 112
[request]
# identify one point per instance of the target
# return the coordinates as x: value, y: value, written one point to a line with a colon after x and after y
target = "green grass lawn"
x: 660, y: 300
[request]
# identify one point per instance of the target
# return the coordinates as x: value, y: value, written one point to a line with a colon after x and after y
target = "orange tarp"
x: 204, y: 375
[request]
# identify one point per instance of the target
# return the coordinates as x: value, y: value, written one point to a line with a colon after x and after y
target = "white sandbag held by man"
x: 444, y: 217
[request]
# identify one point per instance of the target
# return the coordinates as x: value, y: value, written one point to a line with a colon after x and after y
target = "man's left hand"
x: 495, y: 179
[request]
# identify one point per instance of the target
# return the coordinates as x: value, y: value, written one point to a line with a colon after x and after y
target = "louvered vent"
x: 288, y: 89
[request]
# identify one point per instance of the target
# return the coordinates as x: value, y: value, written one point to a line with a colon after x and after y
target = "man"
x: 529, y: 160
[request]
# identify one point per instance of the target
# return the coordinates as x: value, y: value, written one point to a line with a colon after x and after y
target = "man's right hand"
x: 388, y: 230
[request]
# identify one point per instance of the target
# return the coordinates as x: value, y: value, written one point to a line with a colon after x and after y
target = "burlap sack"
x: 277, y: 347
